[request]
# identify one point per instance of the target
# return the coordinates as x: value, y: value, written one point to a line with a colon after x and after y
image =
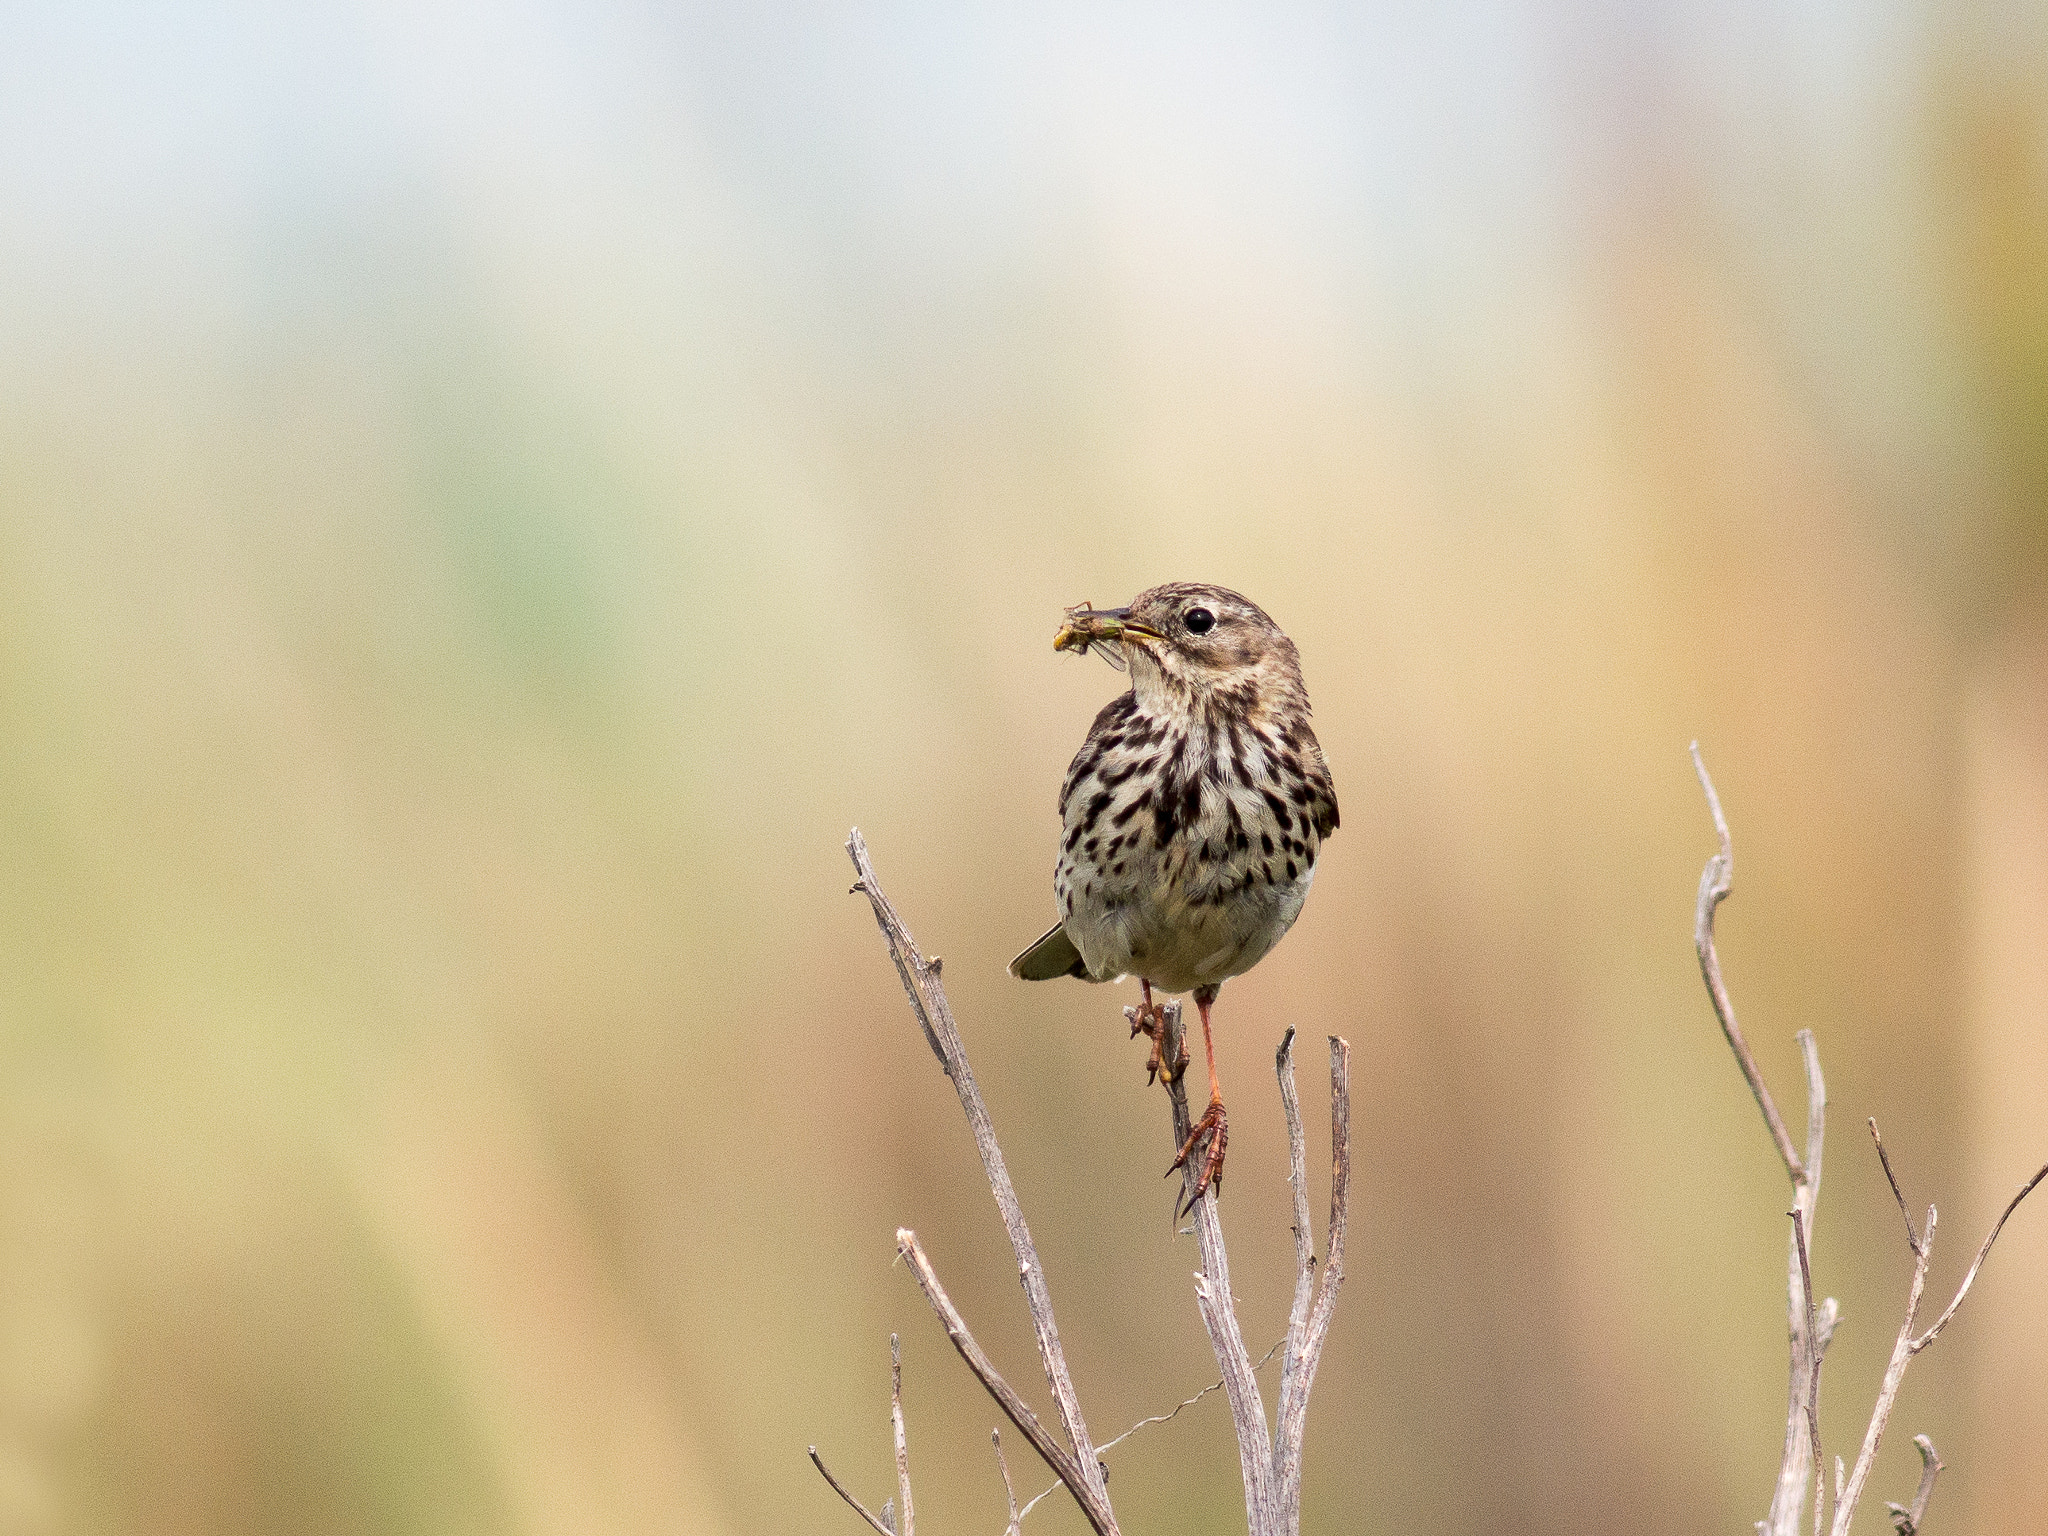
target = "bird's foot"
x: 1215, y: 1127
x: 1149, y: 1019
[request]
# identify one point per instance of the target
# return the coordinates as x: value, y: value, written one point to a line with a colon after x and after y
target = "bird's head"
x: 1191, y: 642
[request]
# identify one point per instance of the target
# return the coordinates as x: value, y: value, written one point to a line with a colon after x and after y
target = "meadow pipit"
x: 1193, y: 814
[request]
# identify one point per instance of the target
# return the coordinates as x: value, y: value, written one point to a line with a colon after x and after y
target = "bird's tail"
x: 1052, y: 955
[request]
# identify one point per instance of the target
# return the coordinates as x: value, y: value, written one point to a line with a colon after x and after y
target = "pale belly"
x: 1153, y: 932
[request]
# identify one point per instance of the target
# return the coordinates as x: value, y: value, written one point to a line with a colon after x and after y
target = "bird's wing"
x: 1053, y: 954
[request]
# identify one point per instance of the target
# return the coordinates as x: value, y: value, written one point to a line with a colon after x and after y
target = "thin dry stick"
x: 1813, y: 1374
x: 1716, y: 880
x: 1898, y: 1194
x: 1219, y: 1311
x: 840, y: 1488
x: 1019, y: 1412
x: 1158, y: 1418
x: 1907, y: 1345
x: 1271, y: 1463
x: 1808, y: 1327
x: 1894, y: 1373
x: 906, y: 1524
x: 1009, y: 1488
x: 1977, y: 1263
x: 1811, y: 1327
x: 1297, y: 1183
x: 928, y: 1002
x: 1305, y: 1342
x: 1906, y: 1522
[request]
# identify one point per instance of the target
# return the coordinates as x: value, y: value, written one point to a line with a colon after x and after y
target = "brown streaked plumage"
x: 1192, y: 815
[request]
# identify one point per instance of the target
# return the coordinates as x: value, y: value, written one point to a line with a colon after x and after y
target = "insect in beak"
x: 1087, y: 626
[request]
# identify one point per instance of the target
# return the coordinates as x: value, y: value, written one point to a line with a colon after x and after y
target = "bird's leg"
x: 1214, y: 1124
x: 1149, y: 1019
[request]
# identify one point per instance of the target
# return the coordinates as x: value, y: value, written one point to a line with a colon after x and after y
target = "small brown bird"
x: 1193, y: 813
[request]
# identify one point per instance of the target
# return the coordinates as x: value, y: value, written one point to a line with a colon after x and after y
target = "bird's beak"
x: 1085, y: 626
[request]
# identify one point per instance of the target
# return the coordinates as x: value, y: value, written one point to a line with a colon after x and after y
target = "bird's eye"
x: 1199, y: 621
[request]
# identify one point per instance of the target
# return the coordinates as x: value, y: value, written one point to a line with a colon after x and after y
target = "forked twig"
x: 1906, y: 1346
x: 1809, y: 1327
x: 1219, y: 1312
x: 928, y: 1001
x: 1018, y: 1411
x: 1308, y: 1332
x: 889, y: 1522
x: 1272, y: 1461
x: 1977, y: 1263
x: 1812, y: 1327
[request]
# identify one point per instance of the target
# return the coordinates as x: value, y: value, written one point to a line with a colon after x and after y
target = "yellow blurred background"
x: 490, y: 494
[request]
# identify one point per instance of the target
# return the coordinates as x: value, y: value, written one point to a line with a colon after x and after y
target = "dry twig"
x: 840, y: 1488
x: 1158, y: 1418
x: 888, y: 1522
x: 906, y: 1523
x: 1811, y: 1327
x: 1906, y: 1522
x: 1716, y: 880
x: 1807, y: 1325
x: 1219, y: 1312
x: 1906, y: 1345
x: 928, y: 1002
x: 1009, y: 1488
x: 1018, y: 1411
x: 1271, y: 1463
x: 1813, y: 1368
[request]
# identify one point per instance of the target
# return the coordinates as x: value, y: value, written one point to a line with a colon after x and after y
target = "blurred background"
x: 489, y: 495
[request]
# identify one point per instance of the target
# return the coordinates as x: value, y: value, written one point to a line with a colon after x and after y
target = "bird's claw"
x: 1215, y: 1126
x: 1149, y: 1020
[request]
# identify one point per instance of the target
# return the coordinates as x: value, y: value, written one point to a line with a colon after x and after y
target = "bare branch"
x: 1808, y: 1331
x: 1812, y: 1327
x: 1297, y: 1180
x: 1906, y: 1522
x: 854, y: 1504
x: 1888, y: 1389
x: 1094, y: 1507
x: 906, y: 1524
x: 1800, y: 1466
x: 1009, y: 1488
x: 1219, y: 1312
x: 1816, y: 1119
x: 1977, y: 1263
x: 1716, y: 880
x: 1813, y: 1369
x: 935, y: 1016
x: 1904, y: 1348
x: 1305, y: 1353
x: 1912, y: 1237
x: 1271, y: 1462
